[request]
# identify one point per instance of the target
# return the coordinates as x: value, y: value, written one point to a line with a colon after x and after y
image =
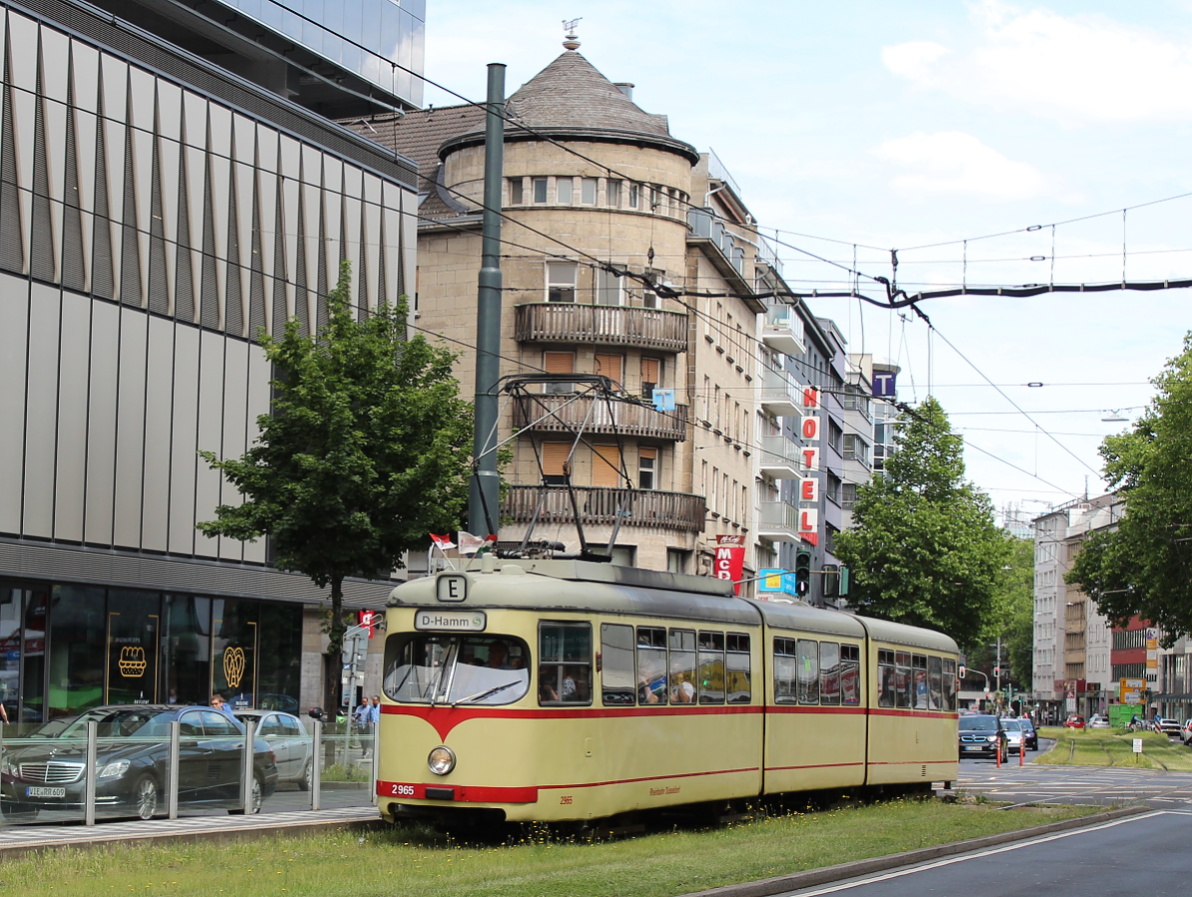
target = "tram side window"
x: 616, y: 664
x: 886, y: 678
x: 564, y: 663
x: 919, y: 694
x: 682, y: 666
x: 711, y: 667
x: 949, y: 684
x: 850, y: 675
x: 651, y: 665
x: 829, y: 664
x: 737, y: 668
x: 902, y: 679
x: 784, y: 671
x: 935, y: 680
x: 808, y: 671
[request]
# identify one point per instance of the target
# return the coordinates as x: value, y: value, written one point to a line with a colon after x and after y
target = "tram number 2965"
x: 402, y: 790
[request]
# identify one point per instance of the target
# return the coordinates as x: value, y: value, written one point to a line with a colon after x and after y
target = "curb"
x: 769, y: 887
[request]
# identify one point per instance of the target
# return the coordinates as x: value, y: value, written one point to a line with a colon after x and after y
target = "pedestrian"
x: 218, y: 703
x: 372, y: 716
x: 3, y: 714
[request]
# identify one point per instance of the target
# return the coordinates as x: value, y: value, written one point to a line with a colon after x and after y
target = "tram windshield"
x: 456, y: 669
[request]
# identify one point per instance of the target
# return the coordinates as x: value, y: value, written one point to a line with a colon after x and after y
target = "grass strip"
x: 415, y: 861
x: 1112, y: 747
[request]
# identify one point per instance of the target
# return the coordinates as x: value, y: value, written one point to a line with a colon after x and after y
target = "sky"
x: 989, y: 143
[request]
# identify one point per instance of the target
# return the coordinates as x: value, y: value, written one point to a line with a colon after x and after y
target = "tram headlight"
x: 441, y: 760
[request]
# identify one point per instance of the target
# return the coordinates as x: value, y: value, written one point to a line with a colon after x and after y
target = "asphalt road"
x: 1145, y: 854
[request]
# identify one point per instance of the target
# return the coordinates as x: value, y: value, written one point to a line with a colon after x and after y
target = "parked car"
x: 981, y: 735
x: 1167, y: 726
x: 1014, y: 735
x: 1030, y: 735
x: 1097, y: 721
x: 292, y: 745
x: 47, y: 773
x: 1074, y: 722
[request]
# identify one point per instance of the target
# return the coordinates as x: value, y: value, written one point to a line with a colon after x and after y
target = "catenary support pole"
x: 482, y: 497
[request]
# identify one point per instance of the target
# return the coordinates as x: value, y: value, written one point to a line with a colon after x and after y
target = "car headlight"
x: 991, y: 738
x: 441, y: 760
x: 113, y: 769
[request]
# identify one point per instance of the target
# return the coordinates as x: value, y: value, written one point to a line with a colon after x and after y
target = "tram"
x: 567, y: 691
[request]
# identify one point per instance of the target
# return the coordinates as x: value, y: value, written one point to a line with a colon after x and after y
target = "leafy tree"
x: 1012, y: 619
x: 365, y: 451
x: 923, y: 548
x: 1143, y: 565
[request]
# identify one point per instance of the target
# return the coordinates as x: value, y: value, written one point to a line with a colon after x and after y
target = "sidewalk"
x: 17, y: 839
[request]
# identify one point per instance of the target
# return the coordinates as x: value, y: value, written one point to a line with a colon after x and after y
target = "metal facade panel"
x: 184, y: 462
x: 209, y: 437
x: 14, y: 321
x: 130, y: 429
x: 101, y: 422
x: 41, y: 415
x: 75, y: 354
x: 158, y: 419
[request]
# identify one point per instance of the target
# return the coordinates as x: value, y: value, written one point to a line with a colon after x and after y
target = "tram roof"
x: 608, y: 588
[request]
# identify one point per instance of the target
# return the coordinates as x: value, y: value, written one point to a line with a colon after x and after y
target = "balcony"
x: 778, y: 521
x: 675, y: 511
x: 610, y: 325
x: 780, y: 394
x: 710, y: 234
x: 544, y: 413
x: 779, y: 458
x: 783, y: 330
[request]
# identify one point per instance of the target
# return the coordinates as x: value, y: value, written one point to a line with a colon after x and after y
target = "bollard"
x: 999, y: 753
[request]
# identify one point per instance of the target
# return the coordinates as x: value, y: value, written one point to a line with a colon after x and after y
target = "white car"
x: 1097, y: 721
x: 292, y: 745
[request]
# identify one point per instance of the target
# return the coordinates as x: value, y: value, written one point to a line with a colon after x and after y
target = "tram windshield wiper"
x: 481, y: 695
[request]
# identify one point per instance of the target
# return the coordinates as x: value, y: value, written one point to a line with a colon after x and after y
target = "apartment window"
x: 540, y: 190
x: 517, y: 194
x: 611, y: 366
x: 606, y: 466
x: 564, y: 189
x: 856, y: 449
x: 559, y: 363
x: 832, y: 488
x: 556, y: 465
x: 612, y: 192
x: 677, y: 560
x: 647, y: 468
x: 634, y: 195
x: 834, y: 435
x: 608, y: 288
x: 651, y: 376
x: 587, y: 191
x: 848, y: 496
x: 560, y: 281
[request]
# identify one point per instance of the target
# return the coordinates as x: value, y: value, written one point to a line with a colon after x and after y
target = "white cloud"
x: 1080, y: 68
x: 954, y: 163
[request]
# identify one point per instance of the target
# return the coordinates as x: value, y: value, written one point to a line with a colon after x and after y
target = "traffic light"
x: 831, y: 581
x: 802, y: 572
x: 843, y: 590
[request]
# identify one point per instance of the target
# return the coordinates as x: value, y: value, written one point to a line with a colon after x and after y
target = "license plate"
x: 44, y: 791
x: 974, y: 747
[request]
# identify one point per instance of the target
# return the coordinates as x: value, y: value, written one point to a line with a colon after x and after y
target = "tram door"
x: 132, y: 653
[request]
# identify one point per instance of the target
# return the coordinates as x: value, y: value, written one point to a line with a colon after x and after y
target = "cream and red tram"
x: 563, y: 690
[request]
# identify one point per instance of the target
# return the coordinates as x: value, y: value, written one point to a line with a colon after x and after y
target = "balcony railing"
x: 778, y: 521
x: 611, y: 325
x: 779, y: 458
x: 676, y: 511
x: 707, y: 228
x: 780, y: 394
x: 562, y: 414
x: 783, y: 330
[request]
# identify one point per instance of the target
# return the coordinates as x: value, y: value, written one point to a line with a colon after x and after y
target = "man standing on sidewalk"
x: 372, y: 716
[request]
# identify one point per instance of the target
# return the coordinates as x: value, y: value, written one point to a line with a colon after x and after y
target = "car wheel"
x: 144, y: 795
x: 256, y: 798
x: 307, y: 777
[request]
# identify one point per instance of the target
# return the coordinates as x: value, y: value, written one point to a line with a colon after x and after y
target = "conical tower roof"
x: 571, y: 98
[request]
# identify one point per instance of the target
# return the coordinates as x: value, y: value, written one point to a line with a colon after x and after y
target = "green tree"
x: 923, y: 548
x: 1143, y: 564
x: 364, y: 452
